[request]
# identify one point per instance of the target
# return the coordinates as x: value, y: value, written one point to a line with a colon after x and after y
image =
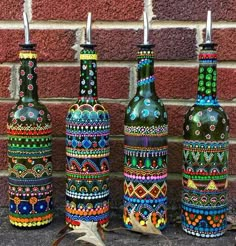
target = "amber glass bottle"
x: 87, y: 147
x: 29, y: 150
x: 145, y: 165
x: 205, y: 154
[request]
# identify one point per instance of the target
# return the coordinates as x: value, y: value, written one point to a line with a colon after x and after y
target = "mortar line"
x: 167, y: 102
x: 198, y: 37
x: 62, y: 24
x: 132, y: 82
x: 178, y: 63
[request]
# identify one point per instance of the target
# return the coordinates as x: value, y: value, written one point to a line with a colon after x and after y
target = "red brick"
x: 226, y: 82
x: 11, y: 10
x: 3, y: 154
x: 225, y: 38
x: 3, y: 192
x: 4, y: 109
x: 176, y: 119
x: 58, y: 114
x: 77, y: 10
x: 175, y: 157
x: 117, y: 113
x: 171, y: 43
x: 176, y: 82
x: 232, y: 195
x: 5, y: 78
x: 112, y: 82
x: 58, y: 82
x: 232, y: 159
x: 52, y: 45
x: 116, y: 156
x: 59, y: 154
x: 231, y: 112
x: 181, y: 82
x: 194, y: 10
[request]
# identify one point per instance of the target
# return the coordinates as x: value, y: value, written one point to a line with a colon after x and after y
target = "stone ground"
x: 11, y: 236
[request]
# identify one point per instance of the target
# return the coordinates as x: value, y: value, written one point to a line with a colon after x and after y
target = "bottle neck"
x: 146, y: 79
x: 28, y: 76
x: 207, y: 77
x: 88, y: 74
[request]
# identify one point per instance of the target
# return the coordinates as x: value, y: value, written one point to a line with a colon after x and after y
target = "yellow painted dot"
x: 142, y: 222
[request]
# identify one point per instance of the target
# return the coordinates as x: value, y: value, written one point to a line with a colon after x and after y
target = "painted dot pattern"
x: 205, y: 157
x: 29, y: 153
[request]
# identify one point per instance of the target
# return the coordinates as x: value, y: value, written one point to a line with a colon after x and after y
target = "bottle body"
x: 87, y: 151
x: 145, y: 149
x: 29, y: 153
x: 205, y: 157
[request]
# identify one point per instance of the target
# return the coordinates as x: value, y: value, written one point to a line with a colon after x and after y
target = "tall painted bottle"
x: 205, y: 153
x: 87, y: 147
x: 29, y: 148
x: 145, y: 147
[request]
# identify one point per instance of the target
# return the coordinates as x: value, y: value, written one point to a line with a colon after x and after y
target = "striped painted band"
x: 87, y: 196
x: 29, y: 182
x: 88, y: 218
x: 209, y: 210
x: 150, y: 201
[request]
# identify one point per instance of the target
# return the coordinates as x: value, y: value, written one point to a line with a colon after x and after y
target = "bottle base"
x: 203, y: 234
x: 74, y: 224
x: 129, y: 227
x: 31, y: 225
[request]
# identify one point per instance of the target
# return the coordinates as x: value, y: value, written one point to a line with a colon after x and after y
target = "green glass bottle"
x: 145, y: 147
x: 29, y: 148
x: 205, y: 153
x: 87, y: 147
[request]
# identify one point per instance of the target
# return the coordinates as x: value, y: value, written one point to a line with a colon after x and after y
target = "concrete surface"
x: 11, y: 236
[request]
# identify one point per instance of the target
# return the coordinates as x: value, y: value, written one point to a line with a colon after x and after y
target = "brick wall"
x: 177, y: 28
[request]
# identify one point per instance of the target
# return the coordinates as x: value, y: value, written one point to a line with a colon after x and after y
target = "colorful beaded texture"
x: 29, y: 152
x: 205, y: 157
x: 145, y: 149
x: 87, y: 150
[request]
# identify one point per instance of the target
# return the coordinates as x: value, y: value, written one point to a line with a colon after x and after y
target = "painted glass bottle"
x: 87, y: 147
x: 29, y: 148
x: 145, y: 147
x: 205, y: 153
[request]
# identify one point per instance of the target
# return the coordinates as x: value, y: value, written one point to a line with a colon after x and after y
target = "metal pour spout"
x: 145, y: 28
x: 26, y: 28
x: 88, y: 29
x: 208, y: 28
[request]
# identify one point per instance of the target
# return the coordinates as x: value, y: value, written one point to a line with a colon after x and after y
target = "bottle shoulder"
x: 146, y: 111
x: 207, y: 123
x: 92, y: 111
x: 29, y: 113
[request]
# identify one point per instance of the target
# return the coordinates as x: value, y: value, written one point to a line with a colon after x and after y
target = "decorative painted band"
x: 30, y: 182
x: 88, y: 56
x: 88, y: 196
x: 161, y: 130
x: 27, y: 55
